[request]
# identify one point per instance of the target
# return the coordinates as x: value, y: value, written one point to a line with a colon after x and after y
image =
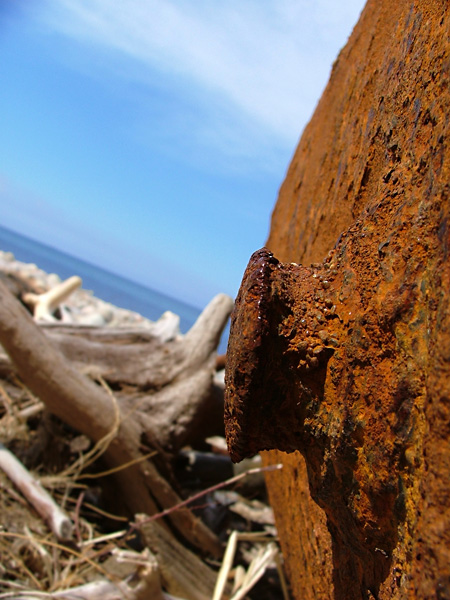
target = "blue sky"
x: 150, y: 137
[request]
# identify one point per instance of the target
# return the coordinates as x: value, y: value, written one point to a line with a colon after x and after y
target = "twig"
x: 7, y: 403
x: 118, y: 468
x: 213, y: 488
x: 103, y: 538
x: 33, y: 491
x: 281, y: 575
x: 225, y: 568
x: 256, y: 570
x: 77, y: 516
x: 101, y: 512
x: 31, y: 411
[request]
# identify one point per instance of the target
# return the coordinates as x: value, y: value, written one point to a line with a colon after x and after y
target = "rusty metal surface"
x: 347, y: 360
x: 330, y: 360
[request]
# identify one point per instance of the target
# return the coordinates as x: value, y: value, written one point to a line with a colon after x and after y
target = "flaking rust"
x: 348, y: 360
x: 309, y: 359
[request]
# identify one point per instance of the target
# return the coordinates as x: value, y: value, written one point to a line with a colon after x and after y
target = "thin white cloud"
x: 263, y: 61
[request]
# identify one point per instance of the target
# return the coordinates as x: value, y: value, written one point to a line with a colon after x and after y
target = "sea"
x: 105, y: 285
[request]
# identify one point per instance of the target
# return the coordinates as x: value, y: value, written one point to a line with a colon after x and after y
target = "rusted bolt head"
x: 275, y: 353
x: 246, y: 355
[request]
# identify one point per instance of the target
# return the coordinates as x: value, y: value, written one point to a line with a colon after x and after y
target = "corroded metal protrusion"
x: 373, y: 165
x: 278, y: 344
x: 307, y: 359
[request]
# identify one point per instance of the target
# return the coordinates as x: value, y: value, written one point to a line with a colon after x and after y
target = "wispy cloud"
x: 262, y: 62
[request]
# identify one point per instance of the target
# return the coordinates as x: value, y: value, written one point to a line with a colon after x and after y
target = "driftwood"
x: 33, y: 491
x: 44, y: 305
x: 189, y: 365
x: 169, y: 382
x: 136, y: 357
x: 182, y: 572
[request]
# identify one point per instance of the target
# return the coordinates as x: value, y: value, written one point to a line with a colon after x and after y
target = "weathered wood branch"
x: 182, y: 572
x: 44, y: 305
x: 136, y: 356
x: 85, y: 406
x: 33, y: 491
x: 177, y: 400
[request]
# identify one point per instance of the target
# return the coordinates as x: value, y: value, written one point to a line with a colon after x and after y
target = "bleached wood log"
x: 178, y: 396
x: 182, y: 572
x: 138, y: 357
x: 91, y: 410
x: 167, y: 327
x: 44, y: 305
x: 36, y: 495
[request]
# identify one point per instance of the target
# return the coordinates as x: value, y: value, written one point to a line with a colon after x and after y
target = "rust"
x: 363, y: 507
x: 309, y: 364
x: 277, y: 353
x: 361, y: 401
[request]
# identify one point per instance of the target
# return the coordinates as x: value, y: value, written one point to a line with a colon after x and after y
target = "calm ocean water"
x: 105, y: 285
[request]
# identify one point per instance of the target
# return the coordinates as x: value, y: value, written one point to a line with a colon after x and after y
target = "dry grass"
x: 31, y: 558
x: 33, y: 563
